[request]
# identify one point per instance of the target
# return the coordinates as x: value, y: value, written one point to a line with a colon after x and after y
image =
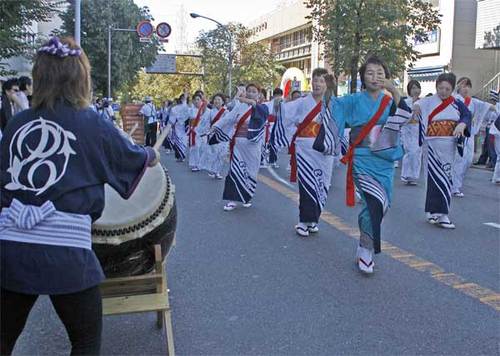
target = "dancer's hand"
x: 386, y: 84
x: 248, y: 101
x: 416, y: 111
x: 241, y: 92
x: 459, y: 130
x: 389, y: 86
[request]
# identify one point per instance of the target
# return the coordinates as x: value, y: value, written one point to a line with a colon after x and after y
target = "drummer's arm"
x: 122, y: 163
x: 153, y: 156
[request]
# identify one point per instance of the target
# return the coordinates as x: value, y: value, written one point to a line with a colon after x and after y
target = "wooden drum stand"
x: 140, y: 294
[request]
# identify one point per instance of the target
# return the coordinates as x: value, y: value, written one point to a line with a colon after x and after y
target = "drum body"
x: 123, y: 238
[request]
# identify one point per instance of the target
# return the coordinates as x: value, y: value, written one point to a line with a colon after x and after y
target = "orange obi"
x: 194, y: 122
x: 441, y: 128
x: 242, y: 131
x: 311, y: 130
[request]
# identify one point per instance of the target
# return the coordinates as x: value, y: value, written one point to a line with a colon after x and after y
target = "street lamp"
x: 230, y: 52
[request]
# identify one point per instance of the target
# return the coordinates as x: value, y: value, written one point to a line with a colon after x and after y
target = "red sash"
x: 293, y: 157
x: 467, y: 101
x: 218, y: 116
x: 240, y: 123
x: 349, y: 156
x: 440, y: 108
x: 194, y: 124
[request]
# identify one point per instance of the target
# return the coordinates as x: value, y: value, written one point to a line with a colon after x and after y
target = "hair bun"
x: 56, y: 48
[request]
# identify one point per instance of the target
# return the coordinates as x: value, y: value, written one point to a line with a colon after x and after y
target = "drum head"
x: 123, y: 220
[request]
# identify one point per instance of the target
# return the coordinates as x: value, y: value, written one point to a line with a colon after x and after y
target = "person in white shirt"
x: 197, y: 122
x: 93, y: 105
x: 270, y: 149
x: 107, y: 111
x: 178, y: 118
x: 164, y: 117
x: 148, y: 111
x: 494, y: 124
x: 243, y: 129
x: 213, y: 156
x: 412, y: 159
x: 479, y: 110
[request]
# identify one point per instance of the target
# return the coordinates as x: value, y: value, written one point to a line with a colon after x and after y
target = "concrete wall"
x: 446, y: 9
x: 444, y: 48
x: 457, y: 46
x: 477, y: 64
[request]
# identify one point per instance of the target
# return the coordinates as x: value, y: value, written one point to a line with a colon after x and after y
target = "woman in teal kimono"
x: 375, y: 119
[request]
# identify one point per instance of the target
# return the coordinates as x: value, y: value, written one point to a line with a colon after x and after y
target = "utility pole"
x: 78, y: 5
x: 110, y: 29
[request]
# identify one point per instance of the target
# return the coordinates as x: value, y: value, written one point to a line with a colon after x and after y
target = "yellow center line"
x: 483, y: 295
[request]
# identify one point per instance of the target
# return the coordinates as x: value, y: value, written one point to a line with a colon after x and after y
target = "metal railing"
x: 493, y: 83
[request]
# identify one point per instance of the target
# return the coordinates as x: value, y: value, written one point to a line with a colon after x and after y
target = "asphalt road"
x: 242, y: 282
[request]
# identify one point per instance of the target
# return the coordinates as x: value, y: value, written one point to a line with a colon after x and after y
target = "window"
x: 434, y: 3
x: 302, y: 37
x: 433, y: 37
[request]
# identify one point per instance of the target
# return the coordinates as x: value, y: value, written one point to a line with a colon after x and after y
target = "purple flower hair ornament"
x: 56, y: 48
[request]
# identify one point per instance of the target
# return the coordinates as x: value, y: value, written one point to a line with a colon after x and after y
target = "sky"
x: 185, y: 28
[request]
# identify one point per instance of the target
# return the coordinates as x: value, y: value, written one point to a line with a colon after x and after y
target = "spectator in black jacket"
x: 9, y: 100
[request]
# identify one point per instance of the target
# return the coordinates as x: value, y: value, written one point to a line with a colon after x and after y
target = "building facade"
x: 288, y: 33
x: 457, y: 45
x: 453, y: 46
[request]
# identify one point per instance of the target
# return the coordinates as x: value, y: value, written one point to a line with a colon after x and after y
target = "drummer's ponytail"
x: 61, y: 73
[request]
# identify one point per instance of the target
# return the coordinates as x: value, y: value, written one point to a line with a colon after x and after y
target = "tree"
x: 15, y: 19
x: 128, y: 54
x: 252, y: 62
x: 353, y: 29
x: 165, y: 86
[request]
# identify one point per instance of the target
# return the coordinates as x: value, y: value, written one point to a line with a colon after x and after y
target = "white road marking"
x: 278, y: 178
x: 493, y: 224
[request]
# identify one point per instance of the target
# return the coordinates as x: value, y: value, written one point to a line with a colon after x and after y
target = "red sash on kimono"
x: 242, y: 120
x: 218, y: 116
x: 447, y: 102
x: 349, y: 156
x: 194, y: 124
x: 293, y: 158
